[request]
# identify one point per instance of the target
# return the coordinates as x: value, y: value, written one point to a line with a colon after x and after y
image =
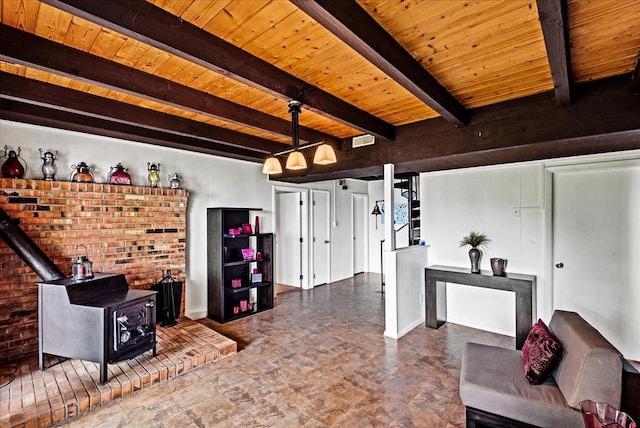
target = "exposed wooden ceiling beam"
x: 44, y: 116
x: 149, y: 24
x: 46, y: 55
x: 604, y: 118
x: 355, y: 27
x: 635, y: 76
x: 57, y: 97
x: 555, y: 29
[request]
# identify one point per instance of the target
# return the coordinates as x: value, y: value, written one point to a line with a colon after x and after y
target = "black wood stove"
x: 99, y: 319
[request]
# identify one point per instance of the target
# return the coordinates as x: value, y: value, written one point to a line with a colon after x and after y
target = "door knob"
x: 326, y: 242
x: 560, y: 265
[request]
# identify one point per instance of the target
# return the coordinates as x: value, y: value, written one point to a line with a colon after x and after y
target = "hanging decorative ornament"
x: 82, y: 173
x: 174, y: 181
x: 12, y: 167
x: 154, y: 174
x: 49, y: 168
x: 119, y: 175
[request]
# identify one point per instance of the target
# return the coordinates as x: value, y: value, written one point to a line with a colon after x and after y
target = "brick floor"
x: 68, y: 388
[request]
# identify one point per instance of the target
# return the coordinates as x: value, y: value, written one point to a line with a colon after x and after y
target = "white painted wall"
x: 404, y: 290
x: 506, y: 203
x: 211, y: 180
x: 512, y: 204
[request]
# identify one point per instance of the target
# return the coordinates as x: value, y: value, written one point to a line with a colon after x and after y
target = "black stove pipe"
x: 23, y: 246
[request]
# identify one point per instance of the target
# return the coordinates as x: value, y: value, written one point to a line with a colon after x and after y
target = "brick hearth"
x: 71, y: 388
x: 134, y: 230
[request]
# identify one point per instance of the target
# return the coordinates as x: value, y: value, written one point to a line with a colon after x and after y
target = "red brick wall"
x: 138, y: 231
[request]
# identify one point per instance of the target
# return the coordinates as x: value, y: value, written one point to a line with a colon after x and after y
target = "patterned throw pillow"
x: 540, y: 354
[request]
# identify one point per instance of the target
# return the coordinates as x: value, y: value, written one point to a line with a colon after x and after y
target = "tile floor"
x: 317, y: 359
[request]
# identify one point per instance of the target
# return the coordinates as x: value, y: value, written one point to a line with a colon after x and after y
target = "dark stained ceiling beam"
x: 604, y: 118
x: 354, y: 26
x: 38, y: 115
x: 555, y: 29
x: 149, y: 24
x: 43, y: 54
x: 57, y: 97
x: 635, y: 76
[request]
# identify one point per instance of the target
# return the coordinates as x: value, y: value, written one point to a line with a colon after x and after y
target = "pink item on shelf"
x: 236, y: 310
x: 235, y: 231
x: 247, y: 254
x: 243, y: 305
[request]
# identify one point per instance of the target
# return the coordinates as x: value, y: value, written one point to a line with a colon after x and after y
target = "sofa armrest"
x: 630, y: 402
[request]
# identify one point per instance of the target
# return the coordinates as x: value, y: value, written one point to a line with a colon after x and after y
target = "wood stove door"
x: 133, y: 328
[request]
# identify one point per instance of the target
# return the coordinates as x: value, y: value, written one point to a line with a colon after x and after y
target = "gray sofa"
x: 496, y: 393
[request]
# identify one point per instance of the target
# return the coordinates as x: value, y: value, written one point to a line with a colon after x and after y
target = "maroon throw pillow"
x: 541, y: 352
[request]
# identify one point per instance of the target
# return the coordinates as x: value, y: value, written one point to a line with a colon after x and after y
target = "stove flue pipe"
x: 23, y: 246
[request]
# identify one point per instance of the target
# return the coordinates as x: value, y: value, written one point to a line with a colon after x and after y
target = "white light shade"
x: 272, y: 166
x: 324, y: 155
x: 296, y: 160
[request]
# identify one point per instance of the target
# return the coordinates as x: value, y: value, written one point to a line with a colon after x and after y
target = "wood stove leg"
x: 154, y: 349
x: 103, y: 373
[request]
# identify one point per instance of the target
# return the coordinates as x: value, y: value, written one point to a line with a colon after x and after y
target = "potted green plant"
x: 475, y: 240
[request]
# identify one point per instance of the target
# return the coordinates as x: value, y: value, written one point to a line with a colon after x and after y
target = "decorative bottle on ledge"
x: 49, y: 168
x: 154, y: 174
x: 12, y: 167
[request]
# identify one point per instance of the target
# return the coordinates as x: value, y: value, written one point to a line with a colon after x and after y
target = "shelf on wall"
x: 244, y: 235
x: 247, y: 313
x: 243, y: 262
x: 231, y: 290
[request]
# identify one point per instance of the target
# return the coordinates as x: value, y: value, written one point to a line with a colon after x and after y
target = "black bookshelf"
x: 225, y: 263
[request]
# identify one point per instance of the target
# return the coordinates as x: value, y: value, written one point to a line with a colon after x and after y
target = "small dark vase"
x: 498, y: 266
x: 474, y: 256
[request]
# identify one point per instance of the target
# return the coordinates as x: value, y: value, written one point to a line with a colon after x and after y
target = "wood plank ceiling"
x: 216, y: 76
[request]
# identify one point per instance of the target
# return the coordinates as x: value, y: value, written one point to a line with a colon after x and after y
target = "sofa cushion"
x: 491, y: 380
x: 541, y: 353
x: 591, y: 368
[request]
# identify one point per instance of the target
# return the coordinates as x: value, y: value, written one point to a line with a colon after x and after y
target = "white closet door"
x: 321, y: 231
x: 596, y: 231
x: 288, y: 233
x: 360, y: 237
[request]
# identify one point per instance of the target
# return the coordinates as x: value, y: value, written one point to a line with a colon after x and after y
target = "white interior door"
x: 596, y: 231
x: 360, y: 236
x: 288, y: 233
x: 320, y: 237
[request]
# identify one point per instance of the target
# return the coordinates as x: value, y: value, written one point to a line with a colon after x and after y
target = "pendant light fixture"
x: 295, y: 160
x: 324, y: 155
x: 272, y: 166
